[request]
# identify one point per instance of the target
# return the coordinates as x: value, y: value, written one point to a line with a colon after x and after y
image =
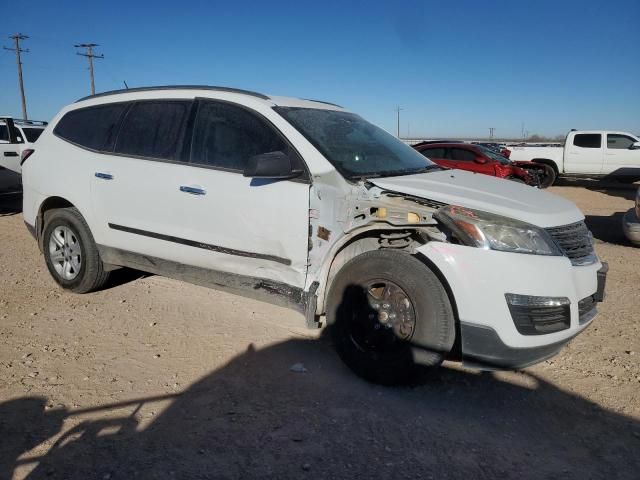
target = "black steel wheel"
x: 390, y: 316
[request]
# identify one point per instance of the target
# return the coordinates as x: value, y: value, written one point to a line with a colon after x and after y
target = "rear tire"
x: 389, y: 316
x: 71, y: 253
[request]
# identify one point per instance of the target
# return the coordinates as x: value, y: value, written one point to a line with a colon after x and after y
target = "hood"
x: 489, y: 194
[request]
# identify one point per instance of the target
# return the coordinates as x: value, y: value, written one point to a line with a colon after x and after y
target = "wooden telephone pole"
x: 16, y: 38
x: 90, y: 55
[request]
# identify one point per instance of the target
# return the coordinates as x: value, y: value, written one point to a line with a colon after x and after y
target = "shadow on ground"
x: 608, y: 228
x: 10, y: 203
x: 255, y: 418
x: 613, y: 188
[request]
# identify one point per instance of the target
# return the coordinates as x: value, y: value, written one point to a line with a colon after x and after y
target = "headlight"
x: 493, y: 232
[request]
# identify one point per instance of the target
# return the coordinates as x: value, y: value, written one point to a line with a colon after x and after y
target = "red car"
x: 475, y: 158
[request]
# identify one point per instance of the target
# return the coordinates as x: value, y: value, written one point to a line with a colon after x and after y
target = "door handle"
x: 104, y: 176
x: 10, y: 154
x: 192, y: 190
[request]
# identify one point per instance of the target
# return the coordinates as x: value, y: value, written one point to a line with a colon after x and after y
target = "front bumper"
x: 479, y: 280
x: 482, y: 348
x: 631, y: 226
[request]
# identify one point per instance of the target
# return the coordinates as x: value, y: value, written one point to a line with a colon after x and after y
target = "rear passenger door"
x: 165, y: 194
x: 584, y: 154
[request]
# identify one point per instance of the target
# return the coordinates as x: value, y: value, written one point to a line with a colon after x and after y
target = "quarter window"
x: 226, y: 136
x: 154, y: 129
x: 462, y: 155
x: 588, y: 140
x: 92, y: 127
x: 619, y: 142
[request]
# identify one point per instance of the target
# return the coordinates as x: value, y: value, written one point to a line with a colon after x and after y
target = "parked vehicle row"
x: 307, y: 205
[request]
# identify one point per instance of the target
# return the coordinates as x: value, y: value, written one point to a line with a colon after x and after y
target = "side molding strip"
x: 196, y: 244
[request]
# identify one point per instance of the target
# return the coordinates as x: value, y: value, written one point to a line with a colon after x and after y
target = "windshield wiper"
x: 396, y: 173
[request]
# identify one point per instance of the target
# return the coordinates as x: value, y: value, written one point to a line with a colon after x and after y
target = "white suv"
x: 16, y: 137
x: 304, y: 204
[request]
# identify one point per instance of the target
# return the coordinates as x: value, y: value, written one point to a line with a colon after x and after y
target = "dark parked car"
x: 475, y: 158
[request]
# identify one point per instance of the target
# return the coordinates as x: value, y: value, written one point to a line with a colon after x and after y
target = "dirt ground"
x: 153, y: 378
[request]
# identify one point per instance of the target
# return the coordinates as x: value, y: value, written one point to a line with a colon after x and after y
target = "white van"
x: 304, y: 204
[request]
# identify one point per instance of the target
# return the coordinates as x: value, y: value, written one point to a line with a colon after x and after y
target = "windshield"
x: 354, y: 146
x: 493, y: 155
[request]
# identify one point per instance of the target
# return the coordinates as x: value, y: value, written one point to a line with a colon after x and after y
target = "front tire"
x: 386, y: 310
x: 71, y: 253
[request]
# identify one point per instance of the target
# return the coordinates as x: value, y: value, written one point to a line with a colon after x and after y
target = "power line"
x: 16, y: 37
x: 90, y: 55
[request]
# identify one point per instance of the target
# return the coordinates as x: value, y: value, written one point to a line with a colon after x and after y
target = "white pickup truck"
x: 588, y: 153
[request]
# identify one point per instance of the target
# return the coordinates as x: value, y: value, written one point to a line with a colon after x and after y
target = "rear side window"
x: 154, y: 129
x: 462, y: 155
x: 588, y: 140
x: 4, y: 133
x: 433, y: 153
x: 619, y: 142
x: 32, y: 134
x: 92, y: 127
x: 226, y: 136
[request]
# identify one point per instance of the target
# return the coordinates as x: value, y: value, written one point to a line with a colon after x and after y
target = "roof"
x: 275, y: 100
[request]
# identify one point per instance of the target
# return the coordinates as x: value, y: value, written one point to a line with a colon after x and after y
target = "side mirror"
x: 635, y: 146
x: 270, y: 165
x: 480, y: 160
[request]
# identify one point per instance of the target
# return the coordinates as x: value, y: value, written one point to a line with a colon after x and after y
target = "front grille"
x: 586, y: 309
x: 575, y: 242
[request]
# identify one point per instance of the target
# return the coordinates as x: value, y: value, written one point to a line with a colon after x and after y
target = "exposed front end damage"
x: 367, y: 217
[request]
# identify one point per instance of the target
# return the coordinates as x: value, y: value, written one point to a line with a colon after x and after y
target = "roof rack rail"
x: 22, y: 121
x: 320, y: 101
x: 39, y: 123
x: 176, y: 87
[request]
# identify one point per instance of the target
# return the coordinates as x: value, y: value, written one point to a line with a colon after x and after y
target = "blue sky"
x: 456, y: 67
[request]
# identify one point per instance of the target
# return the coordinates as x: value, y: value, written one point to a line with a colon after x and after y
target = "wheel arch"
x: 48, y: 204
x: 546, y: 161
x: 456, y: 351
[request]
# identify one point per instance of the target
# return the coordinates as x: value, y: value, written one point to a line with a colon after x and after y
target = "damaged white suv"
x: 304, y: 204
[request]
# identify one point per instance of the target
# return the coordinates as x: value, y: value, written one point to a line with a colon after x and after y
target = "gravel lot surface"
x: 154, y: 378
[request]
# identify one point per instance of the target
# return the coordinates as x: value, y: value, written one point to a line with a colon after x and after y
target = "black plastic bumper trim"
x: 482, y: 348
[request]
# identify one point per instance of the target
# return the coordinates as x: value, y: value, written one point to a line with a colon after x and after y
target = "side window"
x: 462, y: 155
x: 433, y: 152
x: 4, y: 133
x: 91, y: 127
x: 154, y: 129
x: 619, y: 142
x: 226, y: 136
x: 588, y: 140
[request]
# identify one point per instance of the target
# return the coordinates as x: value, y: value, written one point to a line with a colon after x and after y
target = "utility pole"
x: 16, y: 38
x: 90, y: 55
x: 398, y: 112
